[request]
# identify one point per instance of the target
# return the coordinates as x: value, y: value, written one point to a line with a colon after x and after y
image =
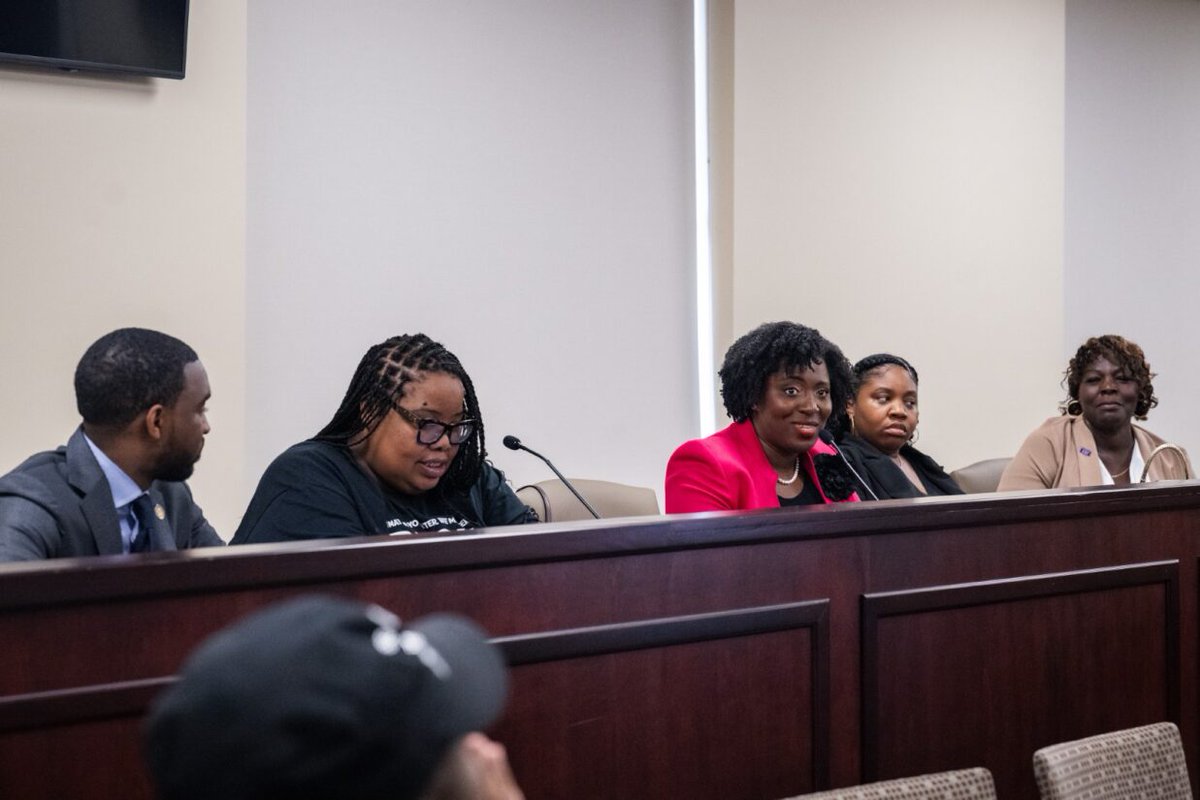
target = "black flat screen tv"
x: 141, y: 37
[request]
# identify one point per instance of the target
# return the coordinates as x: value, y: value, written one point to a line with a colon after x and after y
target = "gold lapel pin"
x: 159, y: 511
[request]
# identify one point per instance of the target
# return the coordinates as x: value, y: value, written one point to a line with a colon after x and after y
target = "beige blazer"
x: 1062, y: 452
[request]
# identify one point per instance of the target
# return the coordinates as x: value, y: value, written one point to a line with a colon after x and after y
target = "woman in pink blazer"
x: 780, y: 382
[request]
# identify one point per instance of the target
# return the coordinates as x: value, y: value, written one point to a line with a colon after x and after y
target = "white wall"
x: 902, y: 161
x: 513, y: 179
x: 898, y: 185
x: 122, y: 202
x: 1132, y: 241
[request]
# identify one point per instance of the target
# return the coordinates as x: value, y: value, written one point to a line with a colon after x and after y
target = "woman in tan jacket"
x: 1094, y: 442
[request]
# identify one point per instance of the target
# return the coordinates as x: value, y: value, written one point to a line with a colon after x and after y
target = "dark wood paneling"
x: 68, y: 707
x: 1013, y: 665
x: 88, y: 635
x: 617, y: 702
x: 630, y: 710
x: 90, y: 760
x: 308, y: 563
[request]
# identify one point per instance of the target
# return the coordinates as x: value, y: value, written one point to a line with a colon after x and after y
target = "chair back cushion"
x: 982, y: 476
x: 554, y: 502
x: 1145, y: 762
x: 963, y: 784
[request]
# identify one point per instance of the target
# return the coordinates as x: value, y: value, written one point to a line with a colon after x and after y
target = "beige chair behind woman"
x: 963, y: 784
x: 1145, y: 762
x: 982, y: 476
x: 554, y: 502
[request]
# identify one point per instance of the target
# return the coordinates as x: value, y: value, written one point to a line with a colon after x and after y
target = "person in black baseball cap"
x: 328, y: 698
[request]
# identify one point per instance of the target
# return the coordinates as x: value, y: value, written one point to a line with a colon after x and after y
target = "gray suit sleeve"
x: 203, y: 534
x: 27, y: 530
x: 187, y: 514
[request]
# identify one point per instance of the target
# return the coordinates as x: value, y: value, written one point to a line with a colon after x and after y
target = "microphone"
x: 513, y: 443
x: 1187, y: 472
x: 827, y: 437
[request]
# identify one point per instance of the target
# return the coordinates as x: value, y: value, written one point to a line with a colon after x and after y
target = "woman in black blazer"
x: 881, y: 418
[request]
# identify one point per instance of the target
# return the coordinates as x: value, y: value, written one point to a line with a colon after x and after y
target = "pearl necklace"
x: 791, y: 480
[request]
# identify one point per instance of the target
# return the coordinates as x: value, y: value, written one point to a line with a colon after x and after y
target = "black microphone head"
x: 825, y: 436
x: 512, y: 442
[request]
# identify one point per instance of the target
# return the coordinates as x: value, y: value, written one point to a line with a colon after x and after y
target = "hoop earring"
x: 1074, y: 408
x: 916, y: 434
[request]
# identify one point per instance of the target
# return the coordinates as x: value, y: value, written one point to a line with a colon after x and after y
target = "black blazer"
x: 58, y: 505
x: 886, y: 479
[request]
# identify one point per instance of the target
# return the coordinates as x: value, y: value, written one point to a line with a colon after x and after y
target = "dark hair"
x: 867, y: 365
x: 125, y: 372
x: 379, y: 382
x: 839, y: 420
x: 770, y: 348
x: 1121, y: 352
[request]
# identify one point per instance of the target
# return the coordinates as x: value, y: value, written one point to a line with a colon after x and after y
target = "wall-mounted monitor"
x: 141, y: 37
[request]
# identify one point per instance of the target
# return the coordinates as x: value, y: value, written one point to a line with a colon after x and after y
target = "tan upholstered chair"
x: 1144, y: 762
x: 963, y: 784
x: 982, y: 476
x: 554, y: 502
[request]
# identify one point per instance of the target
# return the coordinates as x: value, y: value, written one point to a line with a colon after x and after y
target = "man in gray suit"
x: 117, y: 486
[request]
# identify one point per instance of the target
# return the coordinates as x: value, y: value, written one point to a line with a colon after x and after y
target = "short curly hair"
x: 1121, y: 352
x: 774, y: 347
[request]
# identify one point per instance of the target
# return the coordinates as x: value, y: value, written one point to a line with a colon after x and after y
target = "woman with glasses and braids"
x: 881, y: 422
x: 780, y: 383
x: 403, y: 454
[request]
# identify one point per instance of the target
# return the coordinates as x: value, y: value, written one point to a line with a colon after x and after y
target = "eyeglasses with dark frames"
x: 430, y: 431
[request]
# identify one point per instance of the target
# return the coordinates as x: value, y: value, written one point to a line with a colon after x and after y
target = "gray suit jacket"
x: 58, y: 504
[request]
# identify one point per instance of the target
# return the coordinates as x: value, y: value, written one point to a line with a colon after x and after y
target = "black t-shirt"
x: 317, y: 490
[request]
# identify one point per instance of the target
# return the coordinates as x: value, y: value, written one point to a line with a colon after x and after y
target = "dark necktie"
x: 143, y: 510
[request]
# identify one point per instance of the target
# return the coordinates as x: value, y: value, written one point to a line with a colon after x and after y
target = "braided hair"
x: 379, y: 383
x: 774, y: 347
x: 1121, y: 352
